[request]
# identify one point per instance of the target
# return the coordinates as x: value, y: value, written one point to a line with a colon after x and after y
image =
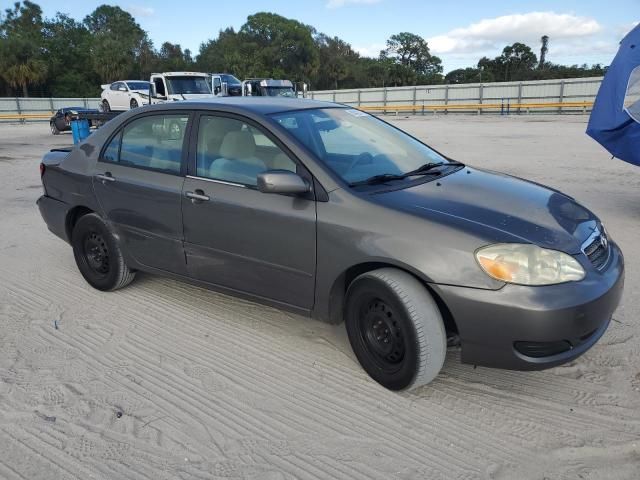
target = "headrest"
x: 238, y: 145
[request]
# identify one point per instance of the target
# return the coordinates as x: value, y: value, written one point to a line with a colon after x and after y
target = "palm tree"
x: 543, y: 50
x: 21, y: 75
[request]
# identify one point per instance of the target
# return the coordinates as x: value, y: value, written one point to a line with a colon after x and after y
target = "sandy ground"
x: 163, y: 380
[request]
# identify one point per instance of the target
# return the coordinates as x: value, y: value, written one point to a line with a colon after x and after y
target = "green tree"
x: 336, y: 58
x: 279, y: 46
x: 118, y: 42
x: 172, y: 58
x: 412, y: 51
x: 22, y: 61
x: 67, y: 48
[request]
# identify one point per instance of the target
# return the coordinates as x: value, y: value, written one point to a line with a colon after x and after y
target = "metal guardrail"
x: 584, y: 106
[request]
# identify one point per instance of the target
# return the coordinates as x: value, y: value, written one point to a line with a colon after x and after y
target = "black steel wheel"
x: 395, y: 328
x: 381, y: 334
x: 98, y: 255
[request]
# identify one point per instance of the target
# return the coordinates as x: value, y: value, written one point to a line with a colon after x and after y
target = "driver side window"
x: 234, y: 151
x: 159, y: 86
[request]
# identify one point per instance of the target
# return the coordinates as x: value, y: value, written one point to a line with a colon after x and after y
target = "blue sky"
x: 459, y: 31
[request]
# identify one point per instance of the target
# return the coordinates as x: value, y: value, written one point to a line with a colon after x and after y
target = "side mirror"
x: 122, y: 88
x: 282, y: 181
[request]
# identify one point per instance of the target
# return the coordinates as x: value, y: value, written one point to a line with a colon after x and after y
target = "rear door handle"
x: 105, y: 177
x: 197, y: 196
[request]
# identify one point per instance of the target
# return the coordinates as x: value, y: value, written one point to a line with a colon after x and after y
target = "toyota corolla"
x: 327, y: 211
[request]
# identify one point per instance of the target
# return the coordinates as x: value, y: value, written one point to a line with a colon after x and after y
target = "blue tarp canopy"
x: 615, y: 118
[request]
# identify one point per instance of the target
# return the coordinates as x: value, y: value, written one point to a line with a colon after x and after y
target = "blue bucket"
x: 79, y: 130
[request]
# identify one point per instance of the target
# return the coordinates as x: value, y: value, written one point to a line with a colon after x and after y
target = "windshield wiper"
x: 426, y: 169
x: 381, y: 178
x: 422, y: 169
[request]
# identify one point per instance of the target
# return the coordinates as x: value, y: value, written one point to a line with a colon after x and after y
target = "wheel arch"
x: 338, y: 291
x: 73, y: 215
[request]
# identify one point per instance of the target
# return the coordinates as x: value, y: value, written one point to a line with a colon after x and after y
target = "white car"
x: 124, y: 95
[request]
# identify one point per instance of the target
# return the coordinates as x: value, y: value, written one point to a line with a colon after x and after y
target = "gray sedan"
x: 327, y: 211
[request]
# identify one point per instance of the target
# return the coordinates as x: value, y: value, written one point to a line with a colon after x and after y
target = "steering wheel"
x: 360, y: 159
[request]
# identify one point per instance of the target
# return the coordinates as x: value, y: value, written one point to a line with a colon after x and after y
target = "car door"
x: 114, y: 96
x: 217, y: 85
x: 235, y: 236
x: 138, y: 182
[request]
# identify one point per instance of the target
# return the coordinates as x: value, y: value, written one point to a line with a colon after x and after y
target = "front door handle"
x: 197, y: 196
x: 105, y: 177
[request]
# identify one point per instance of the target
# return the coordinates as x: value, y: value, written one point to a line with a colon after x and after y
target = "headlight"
x: 528, y: 264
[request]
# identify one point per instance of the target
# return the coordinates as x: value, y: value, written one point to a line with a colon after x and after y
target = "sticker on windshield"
x: 356, y: 113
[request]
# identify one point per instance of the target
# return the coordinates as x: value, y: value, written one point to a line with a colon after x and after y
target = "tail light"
x: 42, y: 169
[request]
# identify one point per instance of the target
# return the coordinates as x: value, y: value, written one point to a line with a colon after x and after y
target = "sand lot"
x: 163, y: 380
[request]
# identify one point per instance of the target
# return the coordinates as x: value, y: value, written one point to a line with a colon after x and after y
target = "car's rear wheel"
x: 106, y: 108
x: 134, y: 103
x: 54, y: 128
x: 98, y: 255
x: 395, y: 328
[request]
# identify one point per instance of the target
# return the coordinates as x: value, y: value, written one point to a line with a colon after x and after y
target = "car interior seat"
x: 238, y: 162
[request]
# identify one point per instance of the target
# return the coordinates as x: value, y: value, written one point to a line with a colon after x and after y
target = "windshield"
x: 138, y: 85
x: 632, y: 97
x: 187, y: 85
x: 230, y: 80
x: 278, y: 92
x: 356, y: 145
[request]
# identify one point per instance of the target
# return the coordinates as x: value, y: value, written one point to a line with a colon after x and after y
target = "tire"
x: 54, y: 128
x: 395, y: 329
x: 133, y: 104
x: 106, y: 108
x: 98, y: 255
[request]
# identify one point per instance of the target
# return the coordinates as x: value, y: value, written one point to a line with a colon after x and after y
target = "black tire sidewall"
x: 134, y: 101
x: 106, y: 108
x: 86, y: 225
x: 361, y: 290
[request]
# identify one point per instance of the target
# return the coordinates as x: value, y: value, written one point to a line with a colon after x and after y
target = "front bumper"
x: 492, y: 322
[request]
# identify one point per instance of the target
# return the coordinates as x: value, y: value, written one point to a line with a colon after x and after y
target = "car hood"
x: 499, y: 207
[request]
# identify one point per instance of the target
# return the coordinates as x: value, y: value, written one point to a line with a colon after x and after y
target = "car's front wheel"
x: 106, y: 108
x: 98, y: 255
x: 134, y: 103
x: 54, y: 128
x: 395, y: 328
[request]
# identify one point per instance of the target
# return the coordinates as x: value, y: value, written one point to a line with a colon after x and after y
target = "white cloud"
x: 140, y: 11
x: 492, y: 33
x: 372, y: 50
x: 342, y: 3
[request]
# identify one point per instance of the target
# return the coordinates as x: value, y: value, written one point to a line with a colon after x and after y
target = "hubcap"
x: 96, y: 253
x: 382, y: 334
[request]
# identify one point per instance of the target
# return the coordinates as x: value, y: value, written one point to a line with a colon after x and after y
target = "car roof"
x: 259, y: 105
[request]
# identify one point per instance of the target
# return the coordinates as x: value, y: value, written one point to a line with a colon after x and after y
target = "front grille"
x: 598, y: 251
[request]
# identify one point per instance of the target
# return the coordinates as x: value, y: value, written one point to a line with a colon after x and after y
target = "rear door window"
x: 153, y: 142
